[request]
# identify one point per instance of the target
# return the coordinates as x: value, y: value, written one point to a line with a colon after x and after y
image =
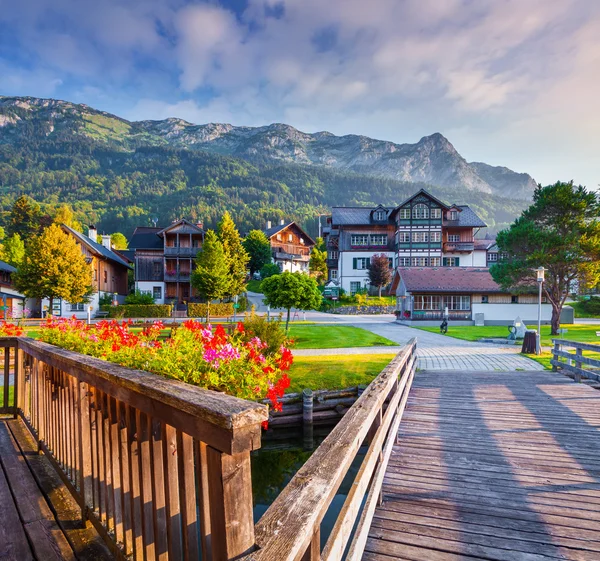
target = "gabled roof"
x: 420, y: 192
x: 96, y: 248
x: 6, y: 267
x: 466, y: 218
x: 270, y: 232
x: 356, y: 216
x: 446, y: 279
x: 484, y: 244
x: 184, y: 225
x: 145, y: 237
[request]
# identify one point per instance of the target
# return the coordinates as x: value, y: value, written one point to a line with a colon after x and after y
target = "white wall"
x: 480, y: 258
x: 509, y: 312
x: 65, y: 310
x: 148, y: 286
x: 346, y: 274
x: 295, y: 267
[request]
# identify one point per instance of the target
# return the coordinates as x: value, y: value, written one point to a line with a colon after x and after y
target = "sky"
x: 508, y: 82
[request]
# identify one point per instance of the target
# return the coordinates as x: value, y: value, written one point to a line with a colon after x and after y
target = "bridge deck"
x: 502, y: 466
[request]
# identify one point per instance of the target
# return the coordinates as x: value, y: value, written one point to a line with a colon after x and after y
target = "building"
x: 164, y: 259
x: 109, y: 274
x: 470, y: 295
x: 290, y: 246
x: 13, y: 302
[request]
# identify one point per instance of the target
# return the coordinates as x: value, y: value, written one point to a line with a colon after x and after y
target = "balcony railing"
x: 458, y: 247
x: 186, y: 251
x: 291, y: 249
x: 174, y: 276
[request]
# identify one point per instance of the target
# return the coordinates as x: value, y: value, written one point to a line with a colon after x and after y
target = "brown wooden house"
x: 290, y: 245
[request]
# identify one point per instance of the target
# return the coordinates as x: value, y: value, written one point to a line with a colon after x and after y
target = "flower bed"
x: 238, y: 364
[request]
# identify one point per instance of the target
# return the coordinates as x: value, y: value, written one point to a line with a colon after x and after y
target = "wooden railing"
x: 161, y: 468
x: 290, y: 529
x: 573, y: 361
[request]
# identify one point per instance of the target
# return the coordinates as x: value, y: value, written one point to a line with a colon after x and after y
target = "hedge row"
x: 141, y: 311
x: 216, y: 310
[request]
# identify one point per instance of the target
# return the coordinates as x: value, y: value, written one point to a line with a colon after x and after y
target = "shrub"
x: 591, y: 306
x: 139, y: 297
x: 270, y: 332
x: 244, y: 304
x: 105, y: 300
x: 216, y: 310
x: 269, y: 270
x: 140, y: 311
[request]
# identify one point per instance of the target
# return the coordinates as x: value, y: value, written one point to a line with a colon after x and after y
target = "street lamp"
x: 540, y: 280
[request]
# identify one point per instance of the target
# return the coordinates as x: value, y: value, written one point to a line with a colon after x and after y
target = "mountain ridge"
x: 432, y: 160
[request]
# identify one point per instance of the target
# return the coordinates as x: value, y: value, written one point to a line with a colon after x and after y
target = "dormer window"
x: 380, y: 215
x: 420, y: 212
x: 453, y: 215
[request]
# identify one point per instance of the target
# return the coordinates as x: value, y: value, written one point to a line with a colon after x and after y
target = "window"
x: 436, y: 213
x: 492, y: 257
x: 485, y: 299
x: 405, y: 213
x: 359, y: 239
x: 378, y: 239
x: 457, y: 302
x: 404, y: 261
x: 333, y: 255
x: 420, y: 212
x: 157, y: 292
x: 391, y: 261
x: 514, y: 299
x: 435, y: 236
x: 453, y: 215
x: 453, y: 237
x: 404, y: 237
x: 333, y: 274
x: 278, y: 237
x: 451, y: 261
x: 105, y: 277
x: 361, y: 263
x: 420, y: 237
x: 290, y: 238
x: 354, y: 287
x: 380, y: 215
x: 156, y: 268
x: 77, y: 307
x: 434, y: 261
x: 427, y: 302
x: 420, y: 262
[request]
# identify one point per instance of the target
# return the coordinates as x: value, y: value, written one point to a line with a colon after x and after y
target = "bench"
x: 101, y: 314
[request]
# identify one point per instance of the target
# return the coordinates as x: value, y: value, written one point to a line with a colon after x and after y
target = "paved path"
x: 489, y: 466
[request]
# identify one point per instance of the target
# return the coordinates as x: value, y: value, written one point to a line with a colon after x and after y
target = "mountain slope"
x: 432, y: 160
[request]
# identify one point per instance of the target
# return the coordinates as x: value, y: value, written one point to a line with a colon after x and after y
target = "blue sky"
x: 509, y: 82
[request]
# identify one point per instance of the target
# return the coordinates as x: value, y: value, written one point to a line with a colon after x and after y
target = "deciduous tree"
x: 560, y: 231
x: 13, y: 250
x: 65, y: 215
x: 318, y: 262
x: 291, y: 290
x: 119, y: 241
x: 54, y: 267
x: 235, y: 255
x: 258, y: 248
x: 211, y: 277
x: 380, y: 274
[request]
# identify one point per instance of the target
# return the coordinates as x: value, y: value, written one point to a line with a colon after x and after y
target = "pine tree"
x: 13, y: 250
x: 25, y: 218
x: 318, y: 262
x: 258, y: 248
x: 211, y: 277
x: 236, y: 256
x: 54, y: 267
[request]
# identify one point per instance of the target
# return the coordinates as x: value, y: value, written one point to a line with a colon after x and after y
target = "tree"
x: 258, y: 248
x: 235, y: 255
x: 560, y: 231
x: 211, y: 277
x: 380, y: 274
x: 65, y: 215
x: 54, y: 267
x: 13, y: 250
x: 119, y: 241
x: 269, y: 270
x: 318, y: 261
x: 291, y: 290
x: 25, y: 218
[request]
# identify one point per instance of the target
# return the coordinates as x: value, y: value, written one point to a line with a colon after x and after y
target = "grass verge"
x: 254, y: 286
x: 313, y: 336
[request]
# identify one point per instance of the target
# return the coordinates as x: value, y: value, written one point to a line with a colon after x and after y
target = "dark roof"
x: 6, y: 267
x: 422, y: 192
x: 466, y: 218
x: 355, y: 216
x: 270, y: 232
x: 184, y: 226
x: 484, y: 244
x: 98, y: 248
x: 145, y: 237
x: 447, y: 279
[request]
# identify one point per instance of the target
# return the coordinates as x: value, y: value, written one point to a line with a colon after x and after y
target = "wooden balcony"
x: 298, y: 252
x: 182, y: 251
x: 173, y: 276
x: 459, y: 247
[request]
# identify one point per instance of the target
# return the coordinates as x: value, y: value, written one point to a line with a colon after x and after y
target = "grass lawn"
x: 313, y: 336
x: 254, y: 286
x: 10, y: 395
x: 335, y: 372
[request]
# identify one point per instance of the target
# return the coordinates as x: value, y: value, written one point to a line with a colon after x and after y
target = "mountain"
x: 118, y: 174
x: 432, y: 160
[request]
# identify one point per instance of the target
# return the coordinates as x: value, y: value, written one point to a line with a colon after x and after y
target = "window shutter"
x: 445, y: 262
x: 354, y: 265
x: 458, y: 261
x: 391, y: 260
x: 368, y: 262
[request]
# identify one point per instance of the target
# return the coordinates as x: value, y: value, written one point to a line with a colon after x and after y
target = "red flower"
x: 240, y: 327
x: 265, y: 425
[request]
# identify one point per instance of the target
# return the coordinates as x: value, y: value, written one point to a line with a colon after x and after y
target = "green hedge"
x: 216, y: 310
x: 141, y: 311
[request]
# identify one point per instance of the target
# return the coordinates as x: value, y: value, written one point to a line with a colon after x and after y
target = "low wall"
x: 362, y: 310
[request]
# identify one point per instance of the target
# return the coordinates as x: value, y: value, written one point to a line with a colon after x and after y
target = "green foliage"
x: 269, y: 270
x: 270, y: 332
x: 235, y: 255
x: 258, y: 248
x: 139, y: 297
x: 105, y: 299
x: 13, y: 250
x: 590, y: 306
x: 54, y: 267
x: 380, y: 274
x: 141, y: 311
x: 560, y: 231
x: 25, y: 218
x: 318, y: 262
x: 119, y: 241
x: 211, y: 277
x: 223, y: 310
x: 291, y: 290
x: 64, y: 215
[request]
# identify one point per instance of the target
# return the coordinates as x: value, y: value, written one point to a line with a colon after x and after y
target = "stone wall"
x: 360, y: 310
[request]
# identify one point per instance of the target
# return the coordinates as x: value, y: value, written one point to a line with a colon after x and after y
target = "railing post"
x: 85, y: 447
x: 307, y: 419
x: 231, y: 509
x: 578, y: 355
x: 555, y: 355
x: 19, y: 380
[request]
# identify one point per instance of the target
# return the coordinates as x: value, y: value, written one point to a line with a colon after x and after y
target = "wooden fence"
x: 573, y: 362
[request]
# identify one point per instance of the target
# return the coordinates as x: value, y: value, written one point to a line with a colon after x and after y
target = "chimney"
x: 106, y: 242
x: 92, y: 232
x: 282, y: 222
x: 268, y: 224
x: 200, y: 225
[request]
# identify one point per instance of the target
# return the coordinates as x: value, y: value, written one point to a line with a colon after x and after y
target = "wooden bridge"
x: 495, y: 466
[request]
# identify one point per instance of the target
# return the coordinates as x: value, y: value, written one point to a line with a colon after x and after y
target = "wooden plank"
x: 135, y: 484
x: 580, y: 371
x: 143, y: 434
x: 115, y: 469
x: 187, y: 496
x: 203, y: 500
x: 174, y: 529
x: 125, y: 467
x: 5, y: 404
x: 577, y: 344
x: 158, y: 491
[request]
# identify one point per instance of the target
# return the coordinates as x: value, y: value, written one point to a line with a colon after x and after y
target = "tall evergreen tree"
x: 13, y: 250
x: 236, y: 256
x: 318, y: 262
x: 25, y: 218
x: 211, y: 277
x: 258, y: 248
x: 54, y: 267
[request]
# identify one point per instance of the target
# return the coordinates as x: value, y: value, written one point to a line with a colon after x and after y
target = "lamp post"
x: 540, y: 280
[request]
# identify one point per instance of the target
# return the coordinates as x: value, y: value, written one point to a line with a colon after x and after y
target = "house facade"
x: 13, y: 302
x: 420, y: 232
x: 164, y: 260
x: 290, y: 246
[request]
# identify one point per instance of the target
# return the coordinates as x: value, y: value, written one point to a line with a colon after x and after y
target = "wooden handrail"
x: 161, y: 468
x: 577, y: 370
x: 290, y: 529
